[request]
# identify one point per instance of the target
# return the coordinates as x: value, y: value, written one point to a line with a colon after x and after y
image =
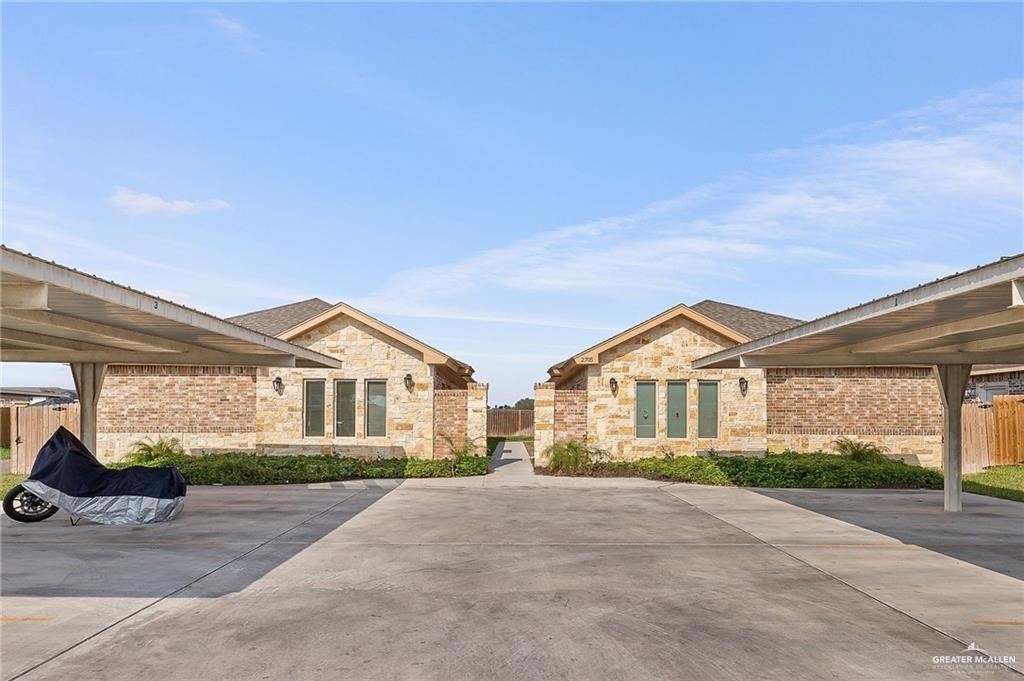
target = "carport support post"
x: 88, y: 382
x: 952, y: 380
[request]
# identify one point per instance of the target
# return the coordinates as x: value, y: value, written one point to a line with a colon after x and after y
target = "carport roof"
x: 53, y: 313
x: 974, y: 317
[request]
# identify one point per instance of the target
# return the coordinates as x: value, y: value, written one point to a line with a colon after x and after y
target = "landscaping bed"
x: 254, y: 469
x: 864, y: 467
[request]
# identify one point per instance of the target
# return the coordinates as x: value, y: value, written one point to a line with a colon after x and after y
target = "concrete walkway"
x: 510, y: 464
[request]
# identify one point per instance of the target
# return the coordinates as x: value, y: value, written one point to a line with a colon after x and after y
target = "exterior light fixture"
x: 614, y: 385
x: 743, y: 386
x: 409, y: 383
x: 278, y: 385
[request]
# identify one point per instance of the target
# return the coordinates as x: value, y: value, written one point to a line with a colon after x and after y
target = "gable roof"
x: 274, y: 320
x: 591, y: 355
x: 430, y: 355
x: 751, y: 323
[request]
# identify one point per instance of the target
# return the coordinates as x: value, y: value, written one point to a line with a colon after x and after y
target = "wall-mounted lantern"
x: 409, y: 383
x: 614, y: 385
x: 743, y: 386
x: 278, y: 385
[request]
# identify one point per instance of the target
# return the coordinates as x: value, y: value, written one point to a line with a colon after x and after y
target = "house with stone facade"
x: 395, y: 395
x: 636, y: 394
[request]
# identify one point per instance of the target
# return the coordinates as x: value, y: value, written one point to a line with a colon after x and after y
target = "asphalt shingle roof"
x: 276, y: 320
x: 751, y: 323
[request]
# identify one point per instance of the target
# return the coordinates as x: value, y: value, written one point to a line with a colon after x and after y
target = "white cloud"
x: 140, y: 203
x: 232, y: 29
x: 857, y: 204
x: 915, y: 270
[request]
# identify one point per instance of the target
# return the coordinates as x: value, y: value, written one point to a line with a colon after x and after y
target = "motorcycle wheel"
x: 25, y: 507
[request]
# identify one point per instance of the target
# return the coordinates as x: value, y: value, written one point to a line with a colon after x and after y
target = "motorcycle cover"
x: 67, y: 475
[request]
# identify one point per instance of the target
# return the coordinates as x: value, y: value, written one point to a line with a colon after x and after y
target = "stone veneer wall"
x: 543, y: 421
x: 897, y: 407
x: 476, y: 415
x: 206, y: 408
x: 663, y: 354
x: 366, y: 355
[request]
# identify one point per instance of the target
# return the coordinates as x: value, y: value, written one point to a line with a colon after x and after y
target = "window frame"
x: 685, y: 383
x: 323, y: 406
x: 366, y: 405
x: 718, y: 409
x: 355, y: 399
x: 636, y: 410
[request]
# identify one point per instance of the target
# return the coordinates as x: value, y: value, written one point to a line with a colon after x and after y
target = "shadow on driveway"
x: 219, y: 526
x: 988, y: 533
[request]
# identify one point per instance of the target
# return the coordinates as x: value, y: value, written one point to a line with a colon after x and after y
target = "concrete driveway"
x: 518, y: 578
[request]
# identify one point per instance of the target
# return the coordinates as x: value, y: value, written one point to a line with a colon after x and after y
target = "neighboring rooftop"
x: 751, y: 323
x: 59, y: 393
x: 276, y: 320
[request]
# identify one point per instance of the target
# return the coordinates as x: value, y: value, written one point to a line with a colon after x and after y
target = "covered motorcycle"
x: 67, y: 475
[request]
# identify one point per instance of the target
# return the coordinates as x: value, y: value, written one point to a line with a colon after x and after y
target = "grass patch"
x: 1004, y: 482
x: 10, y: 480
x: 789, y: 469
x: 5, y: 453
x: 254, y: 469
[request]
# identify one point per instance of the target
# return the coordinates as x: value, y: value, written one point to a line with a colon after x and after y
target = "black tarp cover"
x: 67, y: 475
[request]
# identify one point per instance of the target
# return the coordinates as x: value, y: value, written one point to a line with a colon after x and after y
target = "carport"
x: 53, y: 313
x: 975, y: 317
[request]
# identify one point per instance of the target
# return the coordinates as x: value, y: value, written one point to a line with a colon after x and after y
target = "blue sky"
x: 512, y: 183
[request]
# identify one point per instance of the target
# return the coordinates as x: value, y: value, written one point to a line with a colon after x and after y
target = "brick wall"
x: 853, y: 401
x: 1014, y: 381
x: 570, y: 415
x: 205, y: 407
x: 183, y: 399
x: 450, y: 418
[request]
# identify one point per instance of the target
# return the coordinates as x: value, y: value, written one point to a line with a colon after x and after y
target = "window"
x: 676, y: 417
x: 345, y: 408
x: 376, y: 408
x: 646, y: 416
x: 313, y: 408
x: 986, y: 391
x: 707, y: 409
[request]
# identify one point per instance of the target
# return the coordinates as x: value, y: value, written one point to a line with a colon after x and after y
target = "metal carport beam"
x: 975, y: 317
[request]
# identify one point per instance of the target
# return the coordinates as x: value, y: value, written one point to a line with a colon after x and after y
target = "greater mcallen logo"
x: 972, y: 659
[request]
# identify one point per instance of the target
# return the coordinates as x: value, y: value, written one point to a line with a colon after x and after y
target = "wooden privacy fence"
x: 508, y: 422
x: 31, y: 427
x: 993, y: 433
x: 5, y: 426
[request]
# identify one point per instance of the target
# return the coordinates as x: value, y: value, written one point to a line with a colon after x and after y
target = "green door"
x: 646, y: 417
x: 677, y: 409
x: 707, y: 409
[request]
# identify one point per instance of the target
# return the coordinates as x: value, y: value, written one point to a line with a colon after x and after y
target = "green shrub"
x: 856, y: 450
x: 789, y: 469
x: 573, y: 457
x: 145, y: 450
x: 254, y: 469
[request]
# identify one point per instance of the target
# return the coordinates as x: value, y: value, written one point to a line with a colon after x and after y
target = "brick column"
x: 543, y: 421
